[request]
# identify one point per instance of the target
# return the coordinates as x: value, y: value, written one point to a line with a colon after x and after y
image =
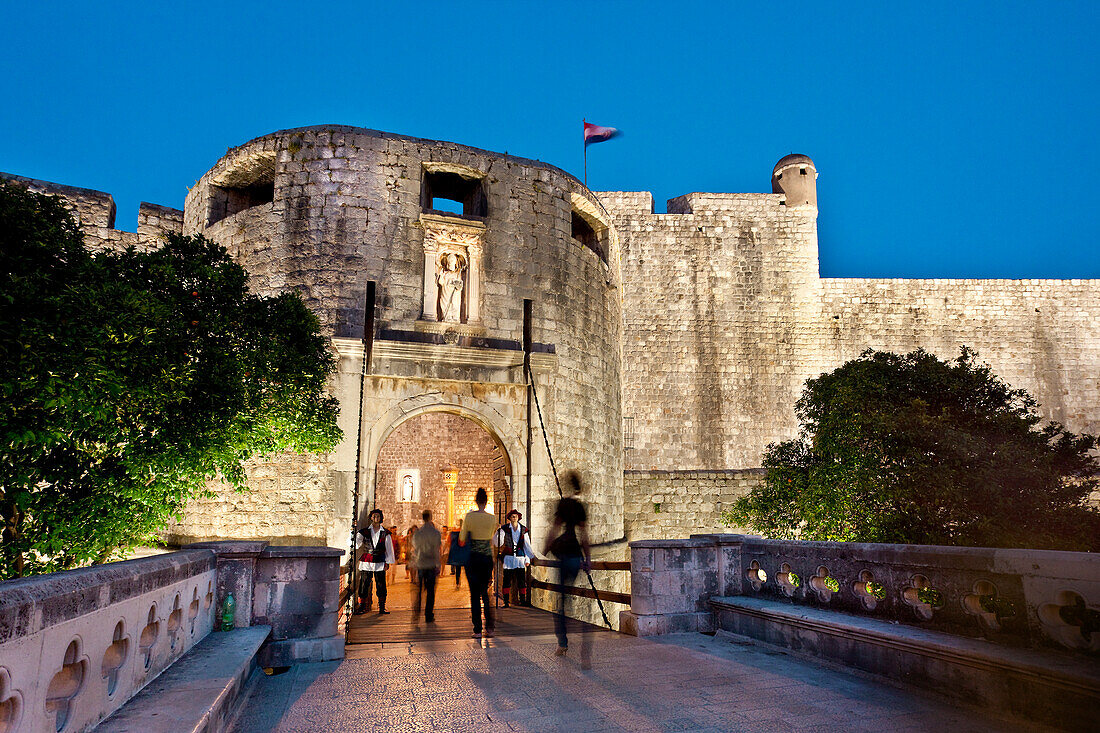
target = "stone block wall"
x: 346, y: 207
x: 291, y: 500
x: 719, y: 302
x: 726, y: 317
x: 662, y: 505
x: 95, y: 210
x: 1042, y: 335
x: 434, y: 442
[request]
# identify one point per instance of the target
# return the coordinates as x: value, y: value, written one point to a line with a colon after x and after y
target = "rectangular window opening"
x: 583, y: 232
x: 225, y: 201
x: 454, y: 195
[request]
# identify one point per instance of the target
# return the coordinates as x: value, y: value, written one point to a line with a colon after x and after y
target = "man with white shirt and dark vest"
x: 376, y: 552
x: 514, y: 542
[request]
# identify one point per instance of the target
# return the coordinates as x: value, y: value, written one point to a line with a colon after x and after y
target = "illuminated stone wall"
x: 323, y: 210
x: 432, y: 443
x: 700, y: 325
x: 291, y: 500
x: 664, y: 505
x: 725, y: 318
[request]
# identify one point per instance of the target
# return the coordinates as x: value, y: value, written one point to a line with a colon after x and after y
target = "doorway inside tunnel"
x: 437, y: 461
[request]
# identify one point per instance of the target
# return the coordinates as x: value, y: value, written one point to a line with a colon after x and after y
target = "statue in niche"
x: 450, y: 280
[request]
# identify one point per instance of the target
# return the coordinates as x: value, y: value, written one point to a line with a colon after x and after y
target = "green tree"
x: 912, y: 449
x: 129, y: 379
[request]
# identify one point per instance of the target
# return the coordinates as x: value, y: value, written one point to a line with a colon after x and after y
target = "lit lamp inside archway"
x: 450, y: 480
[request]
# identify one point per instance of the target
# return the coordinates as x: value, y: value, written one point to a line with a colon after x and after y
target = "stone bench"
x: 199, y: 692
x: 1056, y: 688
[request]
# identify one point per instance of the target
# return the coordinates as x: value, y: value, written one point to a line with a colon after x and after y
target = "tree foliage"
x: 129, y: 379
x: 912, y: 449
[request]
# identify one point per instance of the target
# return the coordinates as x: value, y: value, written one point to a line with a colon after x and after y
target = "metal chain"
x: 557, y: 483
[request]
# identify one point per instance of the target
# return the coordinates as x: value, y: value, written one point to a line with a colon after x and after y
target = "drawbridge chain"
x: 557, y: 483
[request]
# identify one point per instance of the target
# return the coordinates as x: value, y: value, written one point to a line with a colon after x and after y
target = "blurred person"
x: 516, y: 554
x: 407, y: 551
x: 477, y: 533
x: 425, y: 550
x: 456, y: 556
x: 377, y: 555
x: 399, y: 551
x: 569, y: 543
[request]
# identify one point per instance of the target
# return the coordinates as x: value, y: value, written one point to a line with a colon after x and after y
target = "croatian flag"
x: 597, y: 134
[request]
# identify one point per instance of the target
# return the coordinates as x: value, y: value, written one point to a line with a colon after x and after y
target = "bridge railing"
x: 76, y: 645
x: 584, y: 591
x: 1035, y: 597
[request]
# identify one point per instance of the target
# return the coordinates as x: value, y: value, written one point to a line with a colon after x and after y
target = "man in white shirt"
x: 514, y: 542
x: 377, y: 553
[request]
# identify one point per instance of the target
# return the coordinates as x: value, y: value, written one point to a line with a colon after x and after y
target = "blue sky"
x: 951, y: 139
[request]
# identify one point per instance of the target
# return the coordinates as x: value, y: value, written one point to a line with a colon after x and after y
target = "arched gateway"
x: 326, y: 211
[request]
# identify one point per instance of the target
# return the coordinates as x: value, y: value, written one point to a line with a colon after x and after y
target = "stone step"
x: 1061, y: 689
x: 199, y: 692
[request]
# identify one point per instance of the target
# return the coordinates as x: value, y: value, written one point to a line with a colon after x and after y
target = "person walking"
x: 516, y: 554
x: 377, y: 555
x: 425, y: 551
x: 407, y: 554
x: 477, y: 533
x: 569, y: 543
x: 456, y: 556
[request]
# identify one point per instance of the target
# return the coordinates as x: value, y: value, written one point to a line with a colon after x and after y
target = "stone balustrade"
x: 76, y: 645
x: 1019, y: 597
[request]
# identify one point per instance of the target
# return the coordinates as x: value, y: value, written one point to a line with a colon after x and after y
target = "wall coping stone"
x: 1055, y: 563
x: 297, y: 551
x: 30, y: 605
x: 692, y: 542
x: 231, y: 548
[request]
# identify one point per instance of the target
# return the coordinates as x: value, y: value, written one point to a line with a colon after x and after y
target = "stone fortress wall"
x: 95, y: 210
x: 726, y: 317
x: 723, y: 317
x: 324, y: 210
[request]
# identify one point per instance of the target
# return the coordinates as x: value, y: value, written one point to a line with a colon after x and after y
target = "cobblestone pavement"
x: 683, y: 682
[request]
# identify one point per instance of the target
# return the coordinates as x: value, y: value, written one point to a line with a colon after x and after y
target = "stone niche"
x: 452, y: 275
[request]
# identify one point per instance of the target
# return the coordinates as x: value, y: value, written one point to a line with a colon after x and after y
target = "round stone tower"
x: 455, y: 240
x: 796, y: 176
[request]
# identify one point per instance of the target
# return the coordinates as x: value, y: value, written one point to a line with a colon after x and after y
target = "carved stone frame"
x: 445, y: 235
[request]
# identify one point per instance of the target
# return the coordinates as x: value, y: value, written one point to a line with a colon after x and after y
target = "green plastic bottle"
x: 229, y: 609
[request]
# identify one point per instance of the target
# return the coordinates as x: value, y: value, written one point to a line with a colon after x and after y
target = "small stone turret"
x: 796, y: 176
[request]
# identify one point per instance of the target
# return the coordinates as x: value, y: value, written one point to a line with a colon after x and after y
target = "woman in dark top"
x: 570, y: 546
x: 456, y: 557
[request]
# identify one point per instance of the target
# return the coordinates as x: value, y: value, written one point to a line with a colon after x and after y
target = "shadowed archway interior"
x: 448, y: 457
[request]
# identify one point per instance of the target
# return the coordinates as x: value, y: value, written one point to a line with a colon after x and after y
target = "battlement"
x: 95, y: 211
x: 724, y: 203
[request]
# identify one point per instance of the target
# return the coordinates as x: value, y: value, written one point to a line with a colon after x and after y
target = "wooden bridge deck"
x: 452, y: 617
x: 452, y: 623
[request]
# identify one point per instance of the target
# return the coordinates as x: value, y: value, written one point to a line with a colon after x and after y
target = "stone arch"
x: 504, y: 432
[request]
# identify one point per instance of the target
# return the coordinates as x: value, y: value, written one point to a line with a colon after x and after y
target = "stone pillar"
x: 297, y: 593
x: 431, y: 293
x: 670, y: 584
x: 236, y: 566
x: 473, y: 284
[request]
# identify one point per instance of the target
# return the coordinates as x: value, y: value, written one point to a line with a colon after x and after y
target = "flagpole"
x: 583, y: 121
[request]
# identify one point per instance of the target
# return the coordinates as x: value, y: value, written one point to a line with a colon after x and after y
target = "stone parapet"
x: 76, y: 645
x: 1037, y: 598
